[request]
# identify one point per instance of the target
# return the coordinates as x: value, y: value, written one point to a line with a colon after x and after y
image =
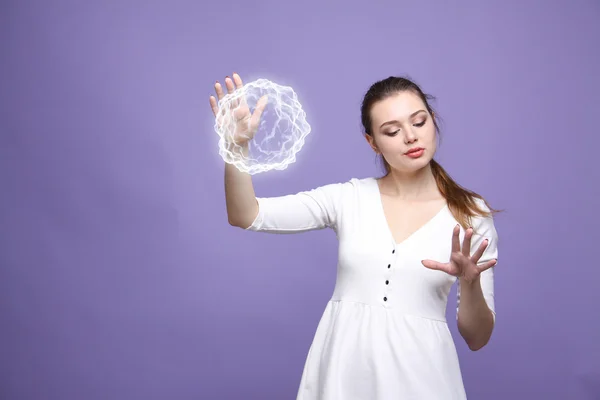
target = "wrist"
x: 470, y: 282
x: 238, y: 147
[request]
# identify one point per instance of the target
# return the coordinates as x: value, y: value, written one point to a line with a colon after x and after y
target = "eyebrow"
x: 392, y: 121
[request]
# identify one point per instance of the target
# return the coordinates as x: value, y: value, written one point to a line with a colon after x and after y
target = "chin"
x: 412, y: 165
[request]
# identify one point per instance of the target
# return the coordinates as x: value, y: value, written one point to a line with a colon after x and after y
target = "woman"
x: 404, y: 240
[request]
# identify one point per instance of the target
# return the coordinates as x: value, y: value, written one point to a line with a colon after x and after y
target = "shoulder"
x: 483, y: 206
x: 483, y: 223
x: 344, y: 194
x: 348, y: 186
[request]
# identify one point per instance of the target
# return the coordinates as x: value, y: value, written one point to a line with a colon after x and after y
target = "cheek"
x: 390, y: 144
x: 430, y: 136
x: 433, y: 139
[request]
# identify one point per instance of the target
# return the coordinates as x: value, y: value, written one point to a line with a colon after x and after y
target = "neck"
x: 415, y: 186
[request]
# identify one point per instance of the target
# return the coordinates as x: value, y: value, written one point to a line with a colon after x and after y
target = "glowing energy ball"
x: 261, y: 126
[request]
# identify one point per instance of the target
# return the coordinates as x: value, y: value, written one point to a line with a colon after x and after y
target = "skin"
x: 411, y: 185
x: 240, y: 198
x: 410, y: 179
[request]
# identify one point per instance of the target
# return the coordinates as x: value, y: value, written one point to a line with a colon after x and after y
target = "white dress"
x: 383, y: 334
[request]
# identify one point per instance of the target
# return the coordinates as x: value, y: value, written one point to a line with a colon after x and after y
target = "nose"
x: 409, y: 136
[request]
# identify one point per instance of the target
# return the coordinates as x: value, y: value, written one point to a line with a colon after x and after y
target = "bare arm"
x: 473, y: 263
x: 475, y: 319
x: 242, y: 206
x: 475, y: 315
x: 300, y: 212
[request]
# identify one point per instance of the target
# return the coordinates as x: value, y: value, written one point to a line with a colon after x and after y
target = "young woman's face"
x: 401, y: 123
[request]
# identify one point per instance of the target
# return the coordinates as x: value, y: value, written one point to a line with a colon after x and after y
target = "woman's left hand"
x: 462, y: 264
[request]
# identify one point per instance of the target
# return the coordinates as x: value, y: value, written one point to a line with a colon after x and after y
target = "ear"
x: 372, y: 143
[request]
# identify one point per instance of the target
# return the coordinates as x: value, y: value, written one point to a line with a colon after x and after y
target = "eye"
x: 420, y: 124
x: 393, y: 133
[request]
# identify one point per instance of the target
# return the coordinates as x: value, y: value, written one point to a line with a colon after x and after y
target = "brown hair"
x: 461, y: 201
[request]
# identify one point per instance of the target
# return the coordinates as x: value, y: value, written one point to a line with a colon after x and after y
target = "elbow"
x: 476, y: 346
x: 477, y: 334
x: 475, y: 340
x: 239, y: 223
x: 242, y: 219
x: 479, y: 343
x: 235, y: 223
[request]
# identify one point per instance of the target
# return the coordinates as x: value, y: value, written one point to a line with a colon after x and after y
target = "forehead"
x: 399, y: 106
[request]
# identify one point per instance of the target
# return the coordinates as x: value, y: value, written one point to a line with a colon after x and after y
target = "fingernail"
x: 227, y: 77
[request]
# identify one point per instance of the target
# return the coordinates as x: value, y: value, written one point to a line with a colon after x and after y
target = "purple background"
x: 120, y: 277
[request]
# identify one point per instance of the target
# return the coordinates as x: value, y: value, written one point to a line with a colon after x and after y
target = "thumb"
x: 261, y: 104
x: 436, y: 265
x: 260, y: 107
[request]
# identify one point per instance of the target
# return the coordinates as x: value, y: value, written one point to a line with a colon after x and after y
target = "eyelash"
x: 417, y: 125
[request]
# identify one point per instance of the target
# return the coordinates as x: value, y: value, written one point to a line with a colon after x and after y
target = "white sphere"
x: 281, y: 130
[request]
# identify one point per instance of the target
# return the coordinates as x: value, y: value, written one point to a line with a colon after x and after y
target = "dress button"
x: 385, y: 299
x: 387, y: 282
x: 393, y: 251
x: 389, y: 265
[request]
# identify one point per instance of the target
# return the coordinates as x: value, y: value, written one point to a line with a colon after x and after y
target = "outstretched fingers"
x: 437, y: 266
x: 213, y: 105
x: 237, y: 80
x: 261, y: 104
x: 238, y: 104
x: 219, y: 90
x: 240, y: 100
x: 229, y: 84
x: 466, y: 248
x: 232, y: 85
x: 456, y: 239
x: 487, y: 265
x: 479, y: 252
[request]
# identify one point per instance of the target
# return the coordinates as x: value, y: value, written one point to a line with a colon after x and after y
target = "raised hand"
x: 246, y: 123
x: 462, y: 264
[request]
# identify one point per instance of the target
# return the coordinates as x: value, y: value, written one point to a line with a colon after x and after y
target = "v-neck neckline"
x: 386, y: 225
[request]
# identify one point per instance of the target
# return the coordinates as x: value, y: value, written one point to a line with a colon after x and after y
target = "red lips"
x: 414, y: 150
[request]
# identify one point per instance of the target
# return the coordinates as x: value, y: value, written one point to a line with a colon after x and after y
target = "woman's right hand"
x: 245, y: 123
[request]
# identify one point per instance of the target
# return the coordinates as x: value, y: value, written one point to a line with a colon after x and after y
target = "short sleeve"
x: 313, y: 209
x: 484, y: 229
